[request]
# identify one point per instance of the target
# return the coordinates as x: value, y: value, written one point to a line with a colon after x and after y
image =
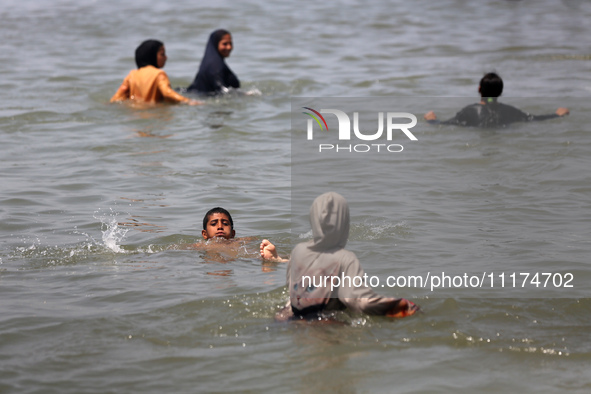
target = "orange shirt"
x: 148, y: 84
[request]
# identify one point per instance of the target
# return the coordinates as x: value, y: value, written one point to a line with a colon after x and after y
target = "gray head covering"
x: 329, y: 218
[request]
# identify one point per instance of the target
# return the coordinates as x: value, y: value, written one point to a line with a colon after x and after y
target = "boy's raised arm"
x: 269, y: 252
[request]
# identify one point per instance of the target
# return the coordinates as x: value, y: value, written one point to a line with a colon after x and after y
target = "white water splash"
x: 112, y: 233
x: 253, y: 92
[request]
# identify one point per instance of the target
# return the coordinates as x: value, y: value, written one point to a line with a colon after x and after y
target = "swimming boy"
x: 489, y: 112
x: 220, y: 244
x: 218, y: 223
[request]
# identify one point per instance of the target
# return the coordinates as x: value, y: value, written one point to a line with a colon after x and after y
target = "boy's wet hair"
x: 491, y: 85
x: 217, y: 210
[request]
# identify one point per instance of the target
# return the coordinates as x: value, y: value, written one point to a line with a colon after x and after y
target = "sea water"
x: 99, y: 201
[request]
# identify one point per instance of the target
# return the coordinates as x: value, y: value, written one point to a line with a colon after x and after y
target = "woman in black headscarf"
x: 214, y: 75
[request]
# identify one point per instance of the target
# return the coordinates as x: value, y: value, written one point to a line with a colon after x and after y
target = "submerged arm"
x: 123, y: 91
x: 169, y: 94
x: 559, y: 113
x: 364, y: 299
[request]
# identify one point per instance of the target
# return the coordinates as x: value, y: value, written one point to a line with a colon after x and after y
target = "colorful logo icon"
x: 315, y: 118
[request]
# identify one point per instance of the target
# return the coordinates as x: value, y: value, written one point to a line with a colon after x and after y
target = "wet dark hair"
x: 147, y: 53
x: 491, y: 85
x: 217, y: 210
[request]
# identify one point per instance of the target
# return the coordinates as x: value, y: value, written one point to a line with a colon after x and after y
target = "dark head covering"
x: 214, y: 74
x: 147, y: 53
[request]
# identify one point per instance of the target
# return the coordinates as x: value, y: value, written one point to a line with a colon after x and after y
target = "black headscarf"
x: 214, y: 74
x: 147, y: 53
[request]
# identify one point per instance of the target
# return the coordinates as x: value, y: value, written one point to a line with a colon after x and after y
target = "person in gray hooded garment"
x: 317, y: 271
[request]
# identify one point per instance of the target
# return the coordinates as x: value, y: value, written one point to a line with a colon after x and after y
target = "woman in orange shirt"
x: 149, y: 83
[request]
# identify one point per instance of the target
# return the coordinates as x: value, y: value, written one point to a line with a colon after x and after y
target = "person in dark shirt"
x: 489, y: 112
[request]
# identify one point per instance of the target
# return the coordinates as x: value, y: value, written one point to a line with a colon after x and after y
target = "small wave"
x: 307, y: 235
x: 379, y: 229
x: 371, y: 230
x: 37, y: 255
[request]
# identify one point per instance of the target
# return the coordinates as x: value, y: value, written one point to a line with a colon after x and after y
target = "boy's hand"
x: 562, y: 111
x: 268, y: 250
x: 430, y: 116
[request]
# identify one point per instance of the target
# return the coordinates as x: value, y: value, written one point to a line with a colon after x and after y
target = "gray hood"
x: 329, y: 218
